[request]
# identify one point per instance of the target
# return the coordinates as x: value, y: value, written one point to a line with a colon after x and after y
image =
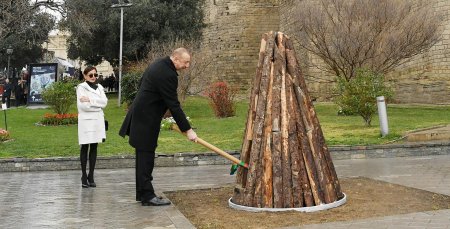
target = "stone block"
x: 358, y: 156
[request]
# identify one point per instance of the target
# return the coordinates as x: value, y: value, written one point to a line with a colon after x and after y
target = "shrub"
x: 358, y: 95
x: 60, y: 96
x: 130, y: 86
x: 59, y: 119
x: 4, y: 135
x: 221, y: 97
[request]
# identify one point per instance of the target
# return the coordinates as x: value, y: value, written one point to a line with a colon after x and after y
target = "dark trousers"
x: 92, y: 148
x: 8, y: 100
x: 18, y: 98
x: 24, y: 99
x: 145, y: 161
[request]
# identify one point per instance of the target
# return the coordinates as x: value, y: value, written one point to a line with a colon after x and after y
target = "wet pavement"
x: 55, y: 199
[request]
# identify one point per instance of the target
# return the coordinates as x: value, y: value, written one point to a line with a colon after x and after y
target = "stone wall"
x: 423, y: 79
x: 426, y: 77
x: 210, y: 158
x: 233, y: 36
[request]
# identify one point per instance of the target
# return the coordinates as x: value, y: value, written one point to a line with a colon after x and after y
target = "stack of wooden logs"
x: 290, y: 165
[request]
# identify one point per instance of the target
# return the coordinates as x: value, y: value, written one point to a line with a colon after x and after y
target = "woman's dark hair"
x: 88, y: 69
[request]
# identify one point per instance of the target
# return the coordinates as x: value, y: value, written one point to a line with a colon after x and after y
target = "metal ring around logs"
x: 303, y: 209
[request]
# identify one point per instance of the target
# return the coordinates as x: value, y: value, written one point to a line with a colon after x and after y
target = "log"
x: 264, y: 173
x: 254, y: 159
x: 285, y: 157
x: 276, y: 133
x: 306, y: 179
x: 294, y: 151
x: 241, y: 175
x: 267, y: 156
x: 336, y: 187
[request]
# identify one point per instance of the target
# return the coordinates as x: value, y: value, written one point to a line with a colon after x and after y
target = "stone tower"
x: 233, y: 35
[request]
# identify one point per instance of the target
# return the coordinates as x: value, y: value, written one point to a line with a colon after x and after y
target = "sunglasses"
x: 93, y: 75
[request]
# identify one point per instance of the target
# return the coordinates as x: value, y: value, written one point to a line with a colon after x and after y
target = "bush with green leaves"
x: 60, y: 96
x: 358, y: 96
x: 130, y: 85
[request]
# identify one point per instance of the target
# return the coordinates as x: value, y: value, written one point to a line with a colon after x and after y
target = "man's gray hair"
x: 179, y: 52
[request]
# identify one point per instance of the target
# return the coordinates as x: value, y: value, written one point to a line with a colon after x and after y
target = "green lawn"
x: 32, y: 141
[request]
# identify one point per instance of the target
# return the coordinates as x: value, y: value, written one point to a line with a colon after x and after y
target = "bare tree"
x: 191, y: 80
x: 16, y: 16
x: 375, y: 34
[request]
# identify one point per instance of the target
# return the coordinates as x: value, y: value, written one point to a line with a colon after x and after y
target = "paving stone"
x: 55, y: 199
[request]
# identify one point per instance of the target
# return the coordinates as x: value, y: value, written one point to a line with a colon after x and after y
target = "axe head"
x: 233, y: 169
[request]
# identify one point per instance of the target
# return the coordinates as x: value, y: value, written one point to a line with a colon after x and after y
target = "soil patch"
x: 366, y: 198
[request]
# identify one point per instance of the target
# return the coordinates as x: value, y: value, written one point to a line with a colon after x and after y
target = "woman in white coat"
x: 91, y: 100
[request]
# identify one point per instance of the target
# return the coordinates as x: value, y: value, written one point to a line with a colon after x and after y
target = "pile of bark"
x: 290, y: 165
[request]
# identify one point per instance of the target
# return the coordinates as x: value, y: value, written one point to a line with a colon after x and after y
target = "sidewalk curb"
x: 210, y: 158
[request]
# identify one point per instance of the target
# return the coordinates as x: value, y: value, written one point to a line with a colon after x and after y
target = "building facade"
x: 56, y: 47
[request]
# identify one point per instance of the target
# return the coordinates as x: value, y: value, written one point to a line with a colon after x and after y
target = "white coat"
x: 91, y: 121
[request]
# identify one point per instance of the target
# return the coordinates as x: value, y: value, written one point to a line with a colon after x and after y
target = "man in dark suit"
x: 156, y: 94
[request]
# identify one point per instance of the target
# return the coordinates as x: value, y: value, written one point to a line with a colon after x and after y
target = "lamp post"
x: 120, y: 4
x: 9, y: 51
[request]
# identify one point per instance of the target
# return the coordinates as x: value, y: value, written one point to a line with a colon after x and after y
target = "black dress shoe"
x: 156, y: 201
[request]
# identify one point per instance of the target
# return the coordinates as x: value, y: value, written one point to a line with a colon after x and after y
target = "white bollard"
x: 382, y: 115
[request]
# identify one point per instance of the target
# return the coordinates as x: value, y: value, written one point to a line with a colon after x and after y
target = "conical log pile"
x: 290, y: 165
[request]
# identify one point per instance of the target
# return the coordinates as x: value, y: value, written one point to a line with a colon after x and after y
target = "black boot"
x: 92, y: 161
x: 83, y: 160
x: 92, y: 183
x: 84, y: 182
x: 91, y: 180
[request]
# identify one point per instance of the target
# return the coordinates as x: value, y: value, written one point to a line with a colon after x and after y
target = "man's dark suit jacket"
x: 157, y: 93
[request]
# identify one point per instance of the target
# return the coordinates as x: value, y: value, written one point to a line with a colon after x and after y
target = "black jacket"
x: 7, y: 87
x: 157, y: 93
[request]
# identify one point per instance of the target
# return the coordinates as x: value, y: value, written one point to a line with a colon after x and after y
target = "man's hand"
x: 191, y: 135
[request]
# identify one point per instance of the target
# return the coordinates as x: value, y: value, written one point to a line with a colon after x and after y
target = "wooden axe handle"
x: 217, y: 150
x: 214, y: 148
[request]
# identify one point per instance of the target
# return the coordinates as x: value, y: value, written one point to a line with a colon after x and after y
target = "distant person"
x: 111, y: 83
x: 18, y: 91
x: 115, y: 83
x: 24, y: 82
x: 91, y: 100
x: 78, y: 74
x: 7, y: 89
x: 156, y: 94
x: 100, y: 80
